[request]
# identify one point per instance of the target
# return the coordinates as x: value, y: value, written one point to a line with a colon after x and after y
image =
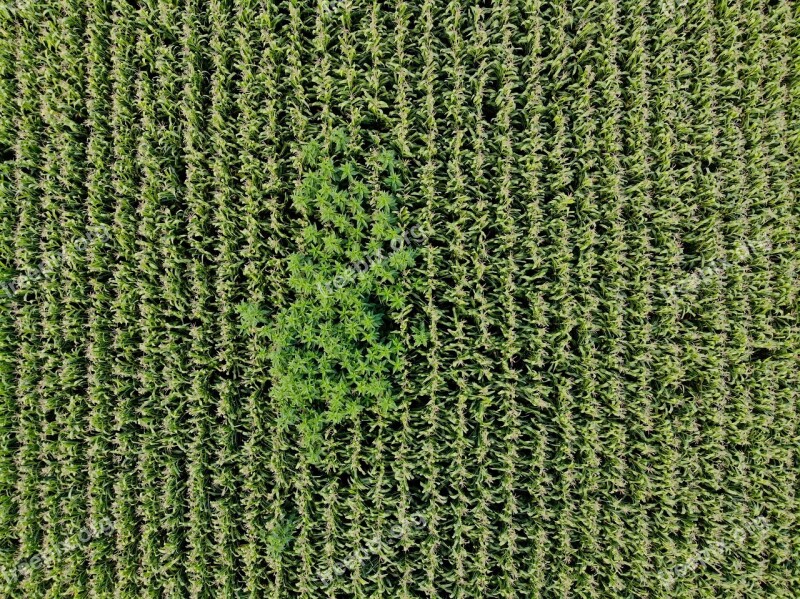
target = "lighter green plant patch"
x: 333, y: 349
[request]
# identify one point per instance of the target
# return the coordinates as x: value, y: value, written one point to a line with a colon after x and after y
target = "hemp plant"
x: 333, y: 352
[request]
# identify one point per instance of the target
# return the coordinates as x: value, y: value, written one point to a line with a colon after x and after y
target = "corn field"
x: 384, y: 298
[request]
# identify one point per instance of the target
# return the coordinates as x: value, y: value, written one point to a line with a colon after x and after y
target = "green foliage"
x: 399, y: 299
x: 333, y: 352
x: 280, y: 538
x: 250, y: 316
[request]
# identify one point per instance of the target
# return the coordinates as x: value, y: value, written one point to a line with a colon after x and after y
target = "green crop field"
x: 394, y: 298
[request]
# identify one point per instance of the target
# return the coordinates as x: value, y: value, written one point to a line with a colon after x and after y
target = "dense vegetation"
x: 399, y: 299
